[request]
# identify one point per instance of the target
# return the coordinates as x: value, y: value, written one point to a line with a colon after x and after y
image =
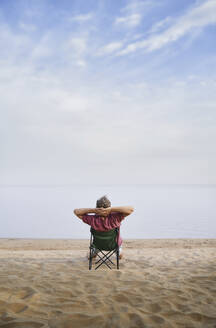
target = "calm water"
x: 160, y: 211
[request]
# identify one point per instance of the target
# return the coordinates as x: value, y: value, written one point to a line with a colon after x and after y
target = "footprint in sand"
x: 199, y: 317
x: 23, y: 293
x: 17, y: 307
x: 154, y: 307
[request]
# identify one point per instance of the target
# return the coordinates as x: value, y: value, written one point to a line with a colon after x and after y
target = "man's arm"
x: 125, y: 210
x: 79, y: 212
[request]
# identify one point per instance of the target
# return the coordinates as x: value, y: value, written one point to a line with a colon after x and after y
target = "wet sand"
x: 161, y: 283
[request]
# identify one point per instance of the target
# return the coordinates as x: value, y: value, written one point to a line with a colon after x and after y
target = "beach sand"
x: 161, y: 283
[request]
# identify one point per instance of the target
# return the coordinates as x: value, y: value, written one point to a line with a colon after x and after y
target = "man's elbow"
x: 76, y: 212
x: 130, y: 209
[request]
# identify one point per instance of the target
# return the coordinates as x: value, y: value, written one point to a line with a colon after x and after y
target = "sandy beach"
x: 161, y: 283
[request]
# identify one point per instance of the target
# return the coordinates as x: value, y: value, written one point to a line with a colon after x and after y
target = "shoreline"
x: 65, y: 244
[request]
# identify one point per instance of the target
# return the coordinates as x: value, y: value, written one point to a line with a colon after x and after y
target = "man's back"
x: 99, y: 223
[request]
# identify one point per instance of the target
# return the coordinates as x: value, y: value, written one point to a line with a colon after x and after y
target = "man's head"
x: 103, y: 202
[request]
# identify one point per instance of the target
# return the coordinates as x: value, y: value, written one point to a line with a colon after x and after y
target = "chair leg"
x: 103, y: 262
x: 117, y: 257
x: 90, y: 252
x: 90, y: 258
x: 104, y: 259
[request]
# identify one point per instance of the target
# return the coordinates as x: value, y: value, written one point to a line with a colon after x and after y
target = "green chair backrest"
x: 105, y: 240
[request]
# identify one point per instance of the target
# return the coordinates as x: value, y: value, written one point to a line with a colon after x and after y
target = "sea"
x: 160, y: 211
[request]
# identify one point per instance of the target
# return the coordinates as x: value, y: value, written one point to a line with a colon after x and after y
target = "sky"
x: 107, y: 92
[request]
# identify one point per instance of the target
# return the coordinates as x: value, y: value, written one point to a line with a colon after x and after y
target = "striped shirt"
x: 100, y: 223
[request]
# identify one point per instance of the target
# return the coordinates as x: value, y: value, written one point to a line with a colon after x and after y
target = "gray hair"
x: 103, y: 202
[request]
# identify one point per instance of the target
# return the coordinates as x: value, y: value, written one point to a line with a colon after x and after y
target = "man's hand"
x: 79, y: 212
x: 103, y: 211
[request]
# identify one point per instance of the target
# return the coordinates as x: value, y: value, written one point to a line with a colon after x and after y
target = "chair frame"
x: 105, y: 257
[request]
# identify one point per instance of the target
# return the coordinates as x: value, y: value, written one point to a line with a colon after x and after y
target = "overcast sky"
x: 105, y: 91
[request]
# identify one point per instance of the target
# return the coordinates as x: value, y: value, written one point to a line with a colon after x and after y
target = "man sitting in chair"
x: 104, y: 218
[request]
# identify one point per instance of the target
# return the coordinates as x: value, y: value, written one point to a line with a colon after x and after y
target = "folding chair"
x: 105, y: 242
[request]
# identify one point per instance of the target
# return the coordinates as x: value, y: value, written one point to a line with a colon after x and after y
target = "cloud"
x: 129, y: 21
x: 78, y: 45
x: 137, y: 5
x: 110, y: 48
x: 81, y: 63
x: 42, y: 48
x: 197, y: 17
x: 77, y: 48
x: 161, y: 24
x: 28, y: 28
x: 13, y: 42
x: 133, y: 13
x: 82, y: 18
